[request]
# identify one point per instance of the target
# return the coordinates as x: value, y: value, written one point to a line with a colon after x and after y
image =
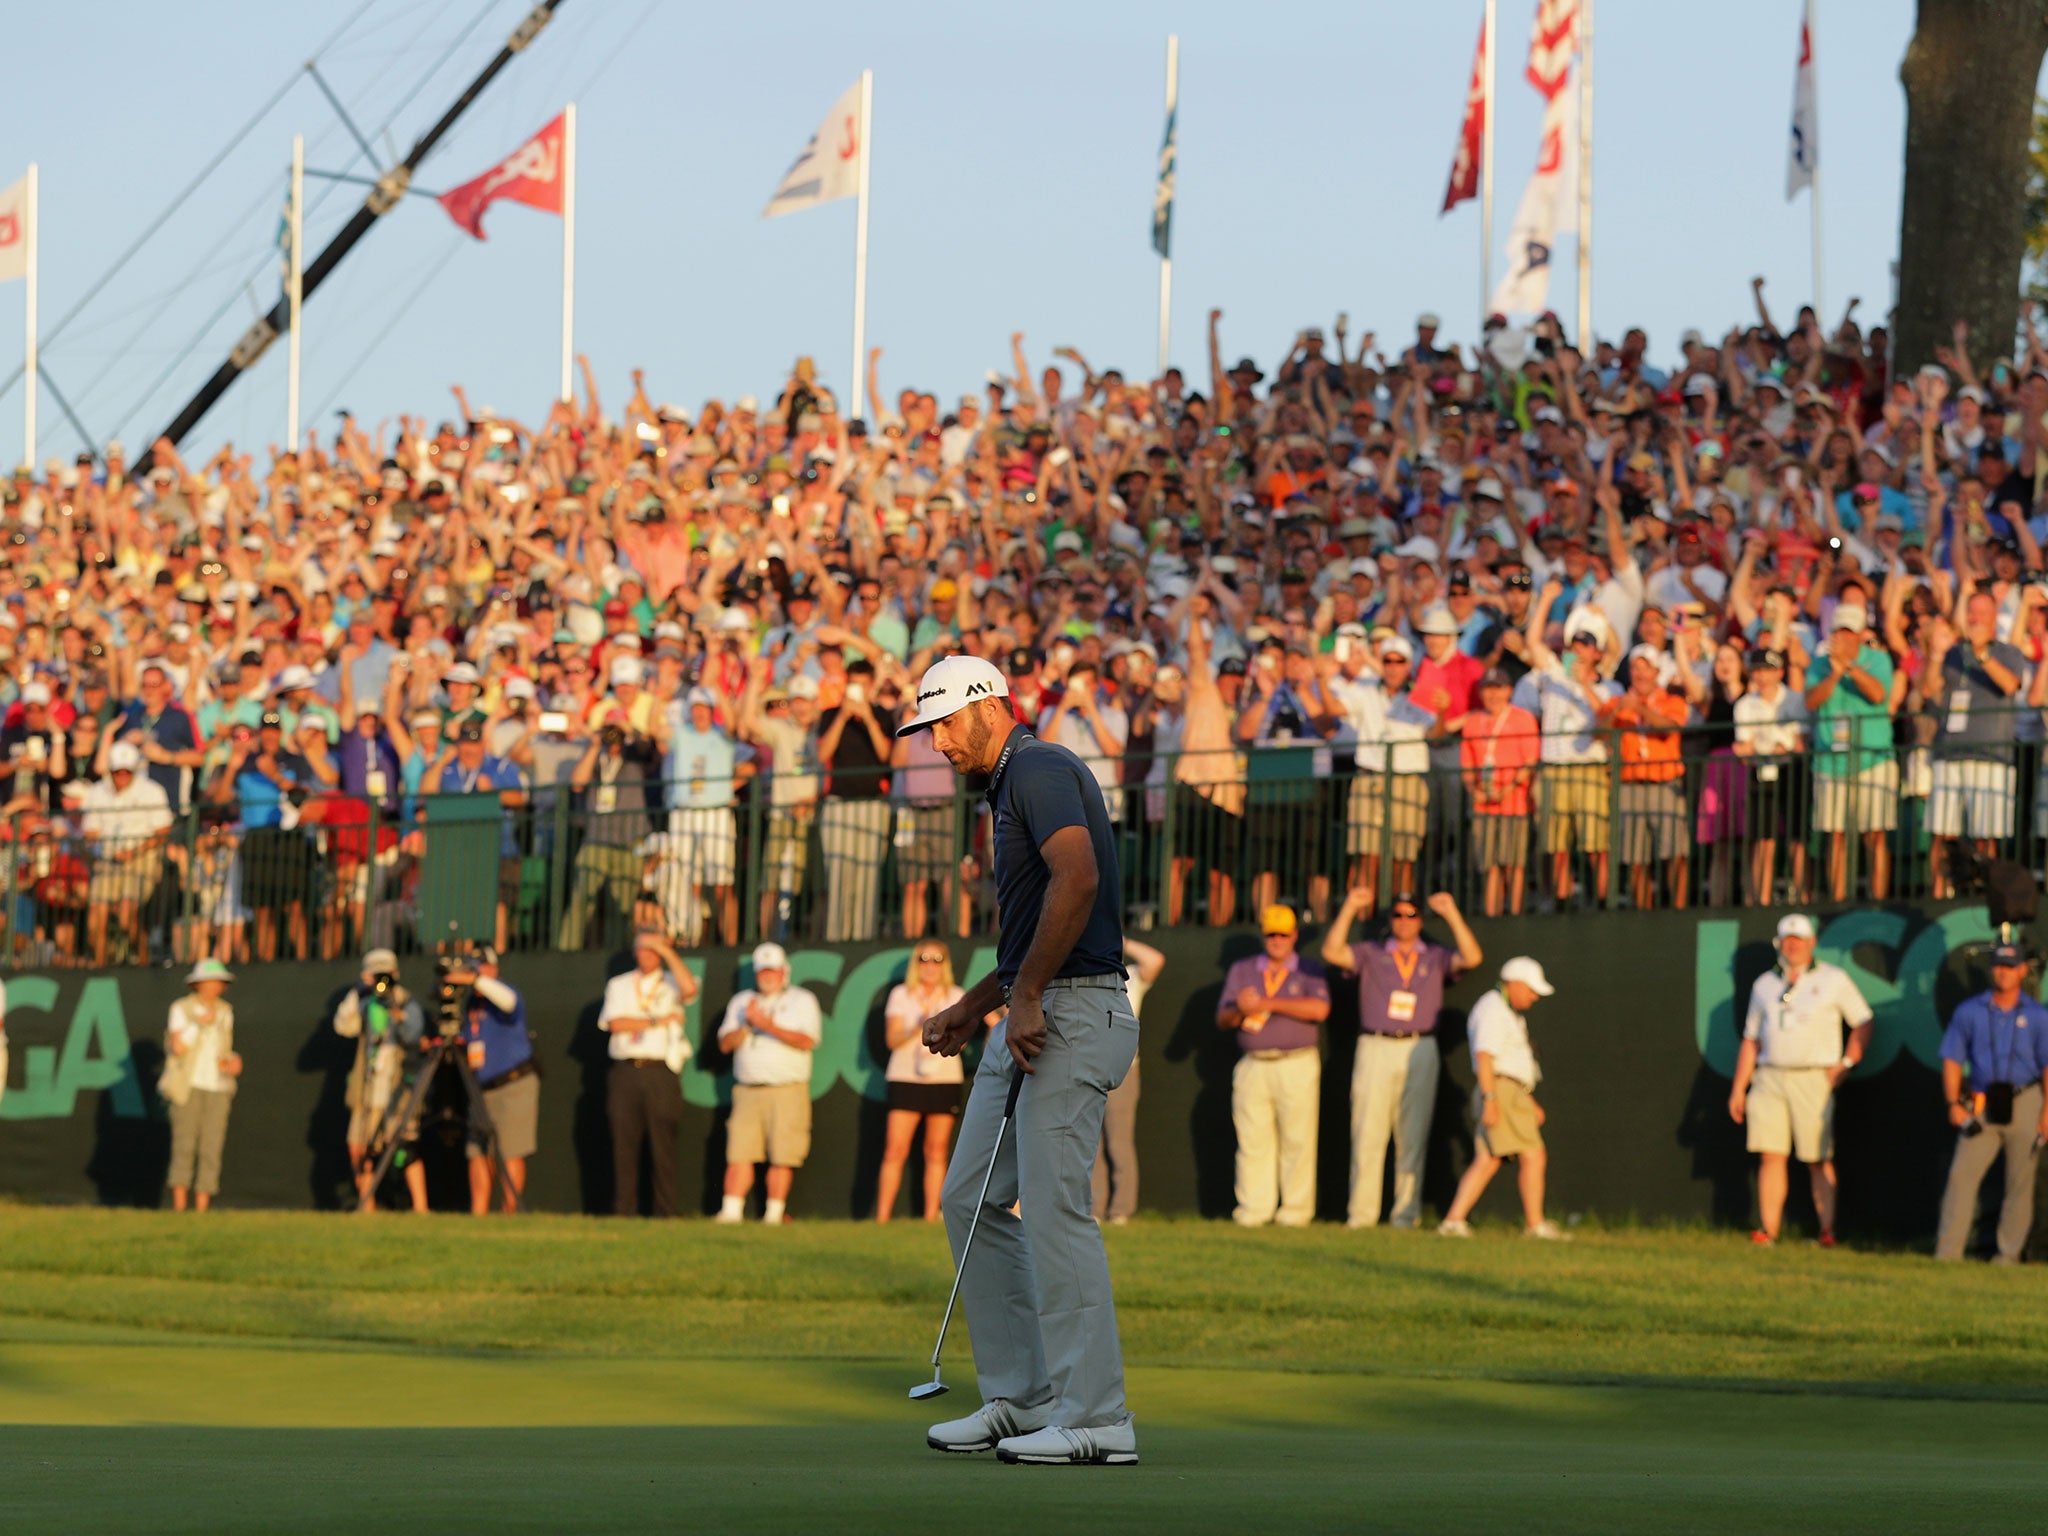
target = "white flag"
x: 1805, y: 147
x: 1547, y: 208
x: 14, y: 231
x: 829, y: 167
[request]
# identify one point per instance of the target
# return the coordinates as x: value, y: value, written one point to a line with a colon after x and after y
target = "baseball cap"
x: 769, y: 957
x: 949, y: 686
x: 1529, y: 973
x: 1849, y: 616
x: 1399, y: 645
x: 462, y: 672
x: 626, y: 672
x: 1277, y: 919
x: 1796, y: 925
x: 380, y: 960
x: 124, y: 758
x: 1438, y: 620
x: 35, y: 693
x: 1495, y: 677
x: 2008, y: 954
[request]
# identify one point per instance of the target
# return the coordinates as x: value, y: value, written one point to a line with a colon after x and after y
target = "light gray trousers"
x: 1036, y: 1285
x: 1973, y: 1159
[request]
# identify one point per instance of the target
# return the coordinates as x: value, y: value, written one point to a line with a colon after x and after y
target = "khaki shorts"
x: 1653, y: 822
x: 130, y: 879
x: 1371, y: 799
x: 1791, y: 1109
x: 515, y: 1112
x: 1517, y: 1131
x: 1503, y: 841
x: 788, y: 848
x: 769, y: 1125
x: 1873, y: 795
x: 1573, y: 797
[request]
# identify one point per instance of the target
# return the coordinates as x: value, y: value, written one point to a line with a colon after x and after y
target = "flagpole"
x: 1813, y: 191
x: 860, y: 242
x: 295, y: 286
x: 1486, y: 43
x: 568, y: 250
x: 35, y: 237
x: 1166, y: 261
x: 1586, y: 177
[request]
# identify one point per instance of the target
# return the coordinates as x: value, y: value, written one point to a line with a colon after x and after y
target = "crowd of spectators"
x: 1491, y: 618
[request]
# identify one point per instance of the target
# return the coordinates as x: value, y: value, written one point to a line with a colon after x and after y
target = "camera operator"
x: 493, y: 1031
x: 643, y: 1015
x: 386, y: 1022
x: 1999, y: 1036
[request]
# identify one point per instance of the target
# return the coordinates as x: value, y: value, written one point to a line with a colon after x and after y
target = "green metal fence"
x: 721, y: 863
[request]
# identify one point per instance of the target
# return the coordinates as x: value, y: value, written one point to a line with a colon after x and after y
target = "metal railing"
x: 720, y: 862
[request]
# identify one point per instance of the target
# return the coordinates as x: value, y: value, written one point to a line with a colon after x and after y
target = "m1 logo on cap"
x: 975, y: 690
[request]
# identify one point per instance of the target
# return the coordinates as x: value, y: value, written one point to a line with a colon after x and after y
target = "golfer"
x: 1036, y: 1286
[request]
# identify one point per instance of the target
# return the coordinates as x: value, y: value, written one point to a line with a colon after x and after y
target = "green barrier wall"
x: 1636, y: 1049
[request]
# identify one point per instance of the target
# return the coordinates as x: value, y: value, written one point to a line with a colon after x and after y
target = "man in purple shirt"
x: 1401, y: 983
x: 1274, y: 1003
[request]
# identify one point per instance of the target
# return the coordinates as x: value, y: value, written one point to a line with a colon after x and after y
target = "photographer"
x: 1998, y: 1036
x: 643, y: 1015
x: 386, y: 1023
x: 493, y: 1031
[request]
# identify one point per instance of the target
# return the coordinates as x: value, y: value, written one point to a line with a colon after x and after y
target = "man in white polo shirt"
x: 1509, y: 1120
x: 643, y: 1015
x: 770, y: 1031
x: 1792, y: 1058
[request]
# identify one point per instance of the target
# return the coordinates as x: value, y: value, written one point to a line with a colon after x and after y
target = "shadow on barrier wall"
x: 1636, y: 1051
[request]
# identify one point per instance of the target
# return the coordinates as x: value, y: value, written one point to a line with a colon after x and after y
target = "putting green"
x: 182, y: 1437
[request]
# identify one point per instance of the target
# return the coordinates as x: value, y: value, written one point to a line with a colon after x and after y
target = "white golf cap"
x: 769, y: 957
x: 951, y: 685
x: 124, y: 758
x: 1427, y: 321
x: 519, y: 688
x: 1528, y: 973
x: 1439, y: 620
x: 1489, y: 488
x: 1849, y: 616
x: 1796, y: 925
x: 626, y: 672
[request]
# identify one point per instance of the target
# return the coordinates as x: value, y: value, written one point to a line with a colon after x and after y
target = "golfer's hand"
x: 1737, y: 1107
x: 1959, y: 1116
x: 1026, y: 1032
x: 1490, y: 1115
x: 947, y: 1032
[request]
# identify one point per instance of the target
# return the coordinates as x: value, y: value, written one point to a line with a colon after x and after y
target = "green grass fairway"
x: 299, y: 1373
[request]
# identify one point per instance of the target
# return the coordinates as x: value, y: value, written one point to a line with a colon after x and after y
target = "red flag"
x: 531, y: 174
x: 1465, y: 165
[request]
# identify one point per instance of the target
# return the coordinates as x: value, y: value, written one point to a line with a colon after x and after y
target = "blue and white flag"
x: 1805, y: 147
x: 1162, y: 194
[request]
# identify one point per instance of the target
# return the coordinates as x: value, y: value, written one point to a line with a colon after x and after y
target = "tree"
x: 2036, y: 277
x: 1970, y: 75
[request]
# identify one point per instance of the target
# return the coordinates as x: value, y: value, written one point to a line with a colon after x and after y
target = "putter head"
x: 927, y: 1389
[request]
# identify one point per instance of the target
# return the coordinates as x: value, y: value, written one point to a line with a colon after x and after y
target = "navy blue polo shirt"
x: 1038, y: 789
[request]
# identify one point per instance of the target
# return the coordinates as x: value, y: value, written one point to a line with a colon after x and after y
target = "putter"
x: 936, y: 1387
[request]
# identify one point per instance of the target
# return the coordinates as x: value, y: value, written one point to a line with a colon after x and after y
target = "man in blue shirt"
x: 1036, y: 1287
x: 500, y: 1053
x: 703, y: 833
x: 2001, y: 1037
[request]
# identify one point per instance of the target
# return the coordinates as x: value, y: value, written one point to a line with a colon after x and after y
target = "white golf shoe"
x: 981, y: 1429
x: 1101, y: 1445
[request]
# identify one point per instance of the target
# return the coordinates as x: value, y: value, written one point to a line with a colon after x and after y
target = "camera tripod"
x: 441, y: 1052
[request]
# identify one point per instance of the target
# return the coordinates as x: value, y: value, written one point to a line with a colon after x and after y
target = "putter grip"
x: 1016, y: 1087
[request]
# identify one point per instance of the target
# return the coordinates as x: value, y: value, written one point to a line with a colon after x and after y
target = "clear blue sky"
x: 1014, y: 159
